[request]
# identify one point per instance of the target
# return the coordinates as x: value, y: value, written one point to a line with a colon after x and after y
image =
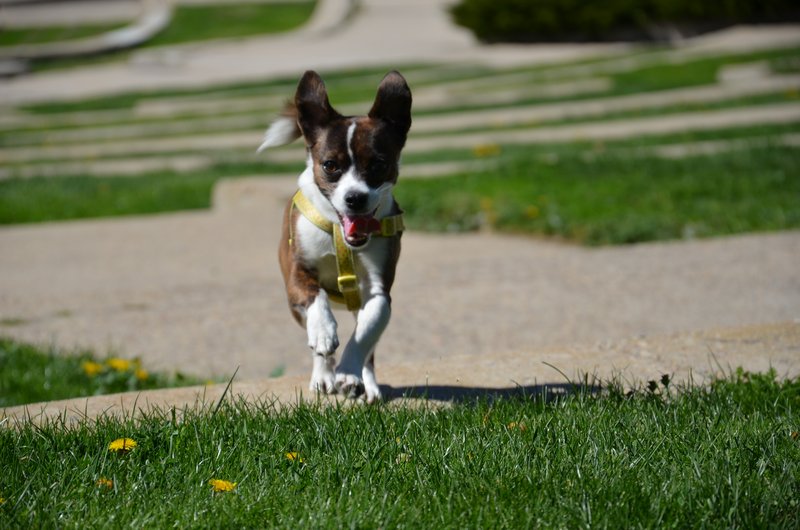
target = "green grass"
x: 594, y: 195
x: 612, y: 198
x: 14, y: 37
x: 58, y: 198
x: 31, y: 374
x: 724, y: 455
x: 197, y: 23
x: 64, y: 198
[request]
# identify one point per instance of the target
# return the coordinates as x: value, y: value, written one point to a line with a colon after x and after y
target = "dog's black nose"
x: 356, y: 200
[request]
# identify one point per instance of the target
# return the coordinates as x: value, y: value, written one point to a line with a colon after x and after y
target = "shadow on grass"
x: 466, y: 394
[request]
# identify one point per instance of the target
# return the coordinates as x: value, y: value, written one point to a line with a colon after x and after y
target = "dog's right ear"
x: 314, y: 111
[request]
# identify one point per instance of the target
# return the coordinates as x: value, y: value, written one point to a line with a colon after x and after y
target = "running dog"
x: 342, y: 229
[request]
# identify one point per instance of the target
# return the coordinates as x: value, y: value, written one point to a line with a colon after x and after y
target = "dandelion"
x: 294, y: 456
x: 484, y: 150
x: 219, y: 485
x: 520, y: 426
x: 122, y: 445
x: 141, y: 374
x: 103, y: 482
x: 120, y: 365
x: 91, y: 368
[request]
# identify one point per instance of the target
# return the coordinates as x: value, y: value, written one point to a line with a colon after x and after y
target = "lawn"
x: 614, y: 197
x: 204, y: 22
x: 14, y: 37
x: 31, y: 374
x: 190, y: 23
x: 721, y: 455
x: 592, y: 195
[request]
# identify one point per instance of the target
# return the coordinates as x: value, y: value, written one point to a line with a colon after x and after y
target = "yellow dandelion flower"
x: 142, y: 374
x: 122, y: 445
x: 103, y: 482
x: 294, y: 456
x: 515, y: 425
x: 484, y: 150
x: 91, y: 368
x: 120, y: 365
x: 221, y: 485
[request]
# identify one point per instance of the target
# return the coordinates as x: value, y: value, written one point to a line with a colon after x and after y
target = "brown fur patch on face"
x: 330, y: 157
x: 376, y: 149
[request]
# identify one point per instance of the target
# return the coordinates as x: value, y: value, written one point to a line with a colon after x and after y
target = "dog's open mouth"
x: 358, y: 228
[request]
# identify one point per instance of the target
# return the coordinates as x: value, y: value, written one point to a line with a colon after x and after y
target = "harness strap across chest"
x: 349, y: 292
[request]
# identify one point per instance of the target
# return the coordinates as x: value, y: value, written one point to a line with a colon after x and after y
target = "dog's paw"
x: 372, y: 392
x: 322, y: 383
x: 322, y: 376
x: 321, y: 330
x: 349, y: 385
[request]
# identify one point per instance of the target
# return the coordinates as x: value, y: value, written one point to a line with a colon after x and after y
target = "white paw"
x: 321, y: 329
x: 349, y: 385
x: 322, y: 376
x: 372, y: 391
x: 323, y: 383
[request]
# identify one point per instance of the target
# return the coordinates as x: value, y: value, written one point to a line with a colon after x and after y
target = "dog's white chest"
x: 318, y: 253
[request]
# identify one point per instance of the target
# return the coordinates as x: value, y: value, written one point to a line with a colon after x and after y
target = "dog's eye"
x: 330, y: 167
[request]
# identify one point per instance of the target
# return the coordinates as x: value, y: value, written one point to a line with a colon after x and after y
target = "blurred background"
x: 575, y: 124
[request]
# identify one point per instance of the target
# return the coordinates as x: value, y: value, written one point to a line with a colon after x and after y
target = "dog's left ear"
x: 393, y: 103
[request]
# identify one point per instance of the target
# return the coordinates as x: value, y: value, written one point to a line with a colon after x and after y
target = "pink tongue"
x: 360, y: 225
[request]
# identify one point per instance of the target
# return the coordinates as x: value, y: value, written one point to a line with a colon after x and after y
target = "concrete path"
x: 201, y: 292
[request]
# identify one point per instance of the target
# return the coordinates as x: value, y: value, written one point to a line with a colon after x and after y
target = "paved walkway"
x: 381, y: 32
x: 201, y: 292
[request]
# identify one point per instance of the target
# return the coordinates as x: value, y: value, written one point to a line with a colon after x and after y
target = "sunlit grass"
x: 720, y: 455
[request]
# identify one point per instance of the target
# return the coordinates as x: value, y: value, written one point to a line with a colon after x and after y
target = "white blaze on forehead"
x: 351, y: 181
x: 350, y: 132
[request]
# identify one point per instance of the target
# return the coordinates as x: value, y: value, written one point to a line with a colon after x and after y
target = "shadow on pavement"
x: 466, y: 394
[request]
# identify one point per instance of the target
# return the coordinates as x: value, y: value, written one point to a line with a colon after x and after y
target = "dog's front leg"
x: 323, y: 341
x: 371, y: 321
x: 311, y: 308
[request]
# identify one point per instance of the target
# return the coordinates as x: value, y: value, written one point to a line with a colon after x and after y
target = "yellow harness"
x: 349, y: 293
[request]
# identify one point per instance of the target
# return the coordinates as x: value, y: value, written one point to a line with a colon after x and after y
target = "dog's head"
x: 354, y: 160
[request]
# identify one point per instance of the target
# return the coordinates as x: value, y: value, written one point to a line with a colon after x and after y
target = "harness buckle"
x: 347, y: 283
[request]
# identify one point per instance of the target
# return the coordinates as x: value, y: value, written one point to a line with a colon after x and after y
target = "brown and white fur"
x: 351, y: 169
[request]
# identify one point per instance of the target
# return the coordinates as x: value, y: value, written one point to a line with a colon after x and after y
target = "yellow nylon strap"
x: 390, y: 226
x: 310, y: 212
x: 347, y: 280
